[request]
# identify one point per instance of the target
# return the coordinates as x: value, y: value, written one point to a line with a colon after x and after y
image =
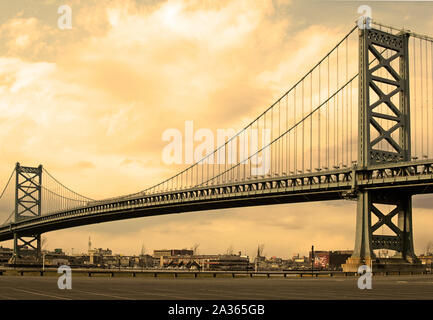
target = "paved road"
x: 391, y: 287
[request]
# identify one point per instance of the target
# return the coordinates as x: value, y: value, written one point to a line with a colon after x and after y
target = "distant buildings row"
x: 104, y: 258
x: 186, y: 259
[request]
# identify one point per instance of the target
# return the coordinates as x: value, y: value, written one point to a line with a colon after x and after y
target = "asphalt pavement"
x: 128, y: 288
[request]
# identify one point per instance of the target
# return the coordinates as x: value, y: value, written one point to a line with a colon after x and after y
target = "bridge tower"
x: 372, y: 139
x: 28, y: 182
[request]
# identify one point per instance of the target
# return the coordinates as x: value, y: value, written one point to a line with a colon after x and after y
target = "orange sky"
x: 91, y: 104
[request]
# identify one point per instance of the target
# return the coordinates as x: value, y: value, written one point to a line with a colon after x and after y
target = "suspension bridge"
x: 357, y: 125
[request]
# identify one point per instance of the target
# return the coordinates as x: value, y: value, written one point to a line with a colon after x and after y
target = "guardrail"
x: 179, y: 273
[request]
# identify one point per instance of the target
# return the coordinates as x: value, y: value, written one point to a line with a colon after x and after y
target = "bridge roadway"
x: 414, y: 177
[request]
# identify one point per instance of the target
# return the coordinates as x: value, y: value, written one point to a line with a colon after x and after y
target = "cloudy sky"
x: 91, y: 103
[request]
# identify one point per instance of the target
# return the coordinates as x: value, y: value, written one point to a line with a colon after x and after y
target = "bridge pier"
x: 363, y: 253
x: 27, y: 250
x: 367, y: 238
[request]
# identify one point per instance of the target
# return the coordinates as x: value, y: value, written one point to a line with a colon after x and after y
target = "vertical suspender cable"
x: 295, y: 147
x: 272, y: 146
x: 303, y: 123
x: 421, y: 99
x: 327, y: 123
x: 288, y: 138
x: 311, y: 125
x: 431, y: 74
x: 280, y: 141
x: 347, y: 105
x: 414, y: 96
x: 351, y: 123
x: 265, y: 151
x: 427, y: 94
x: 337, y: 114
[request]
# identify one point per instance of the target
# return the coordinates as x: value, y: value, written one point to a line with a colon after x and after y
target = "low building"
x: 147, y: 261
x: 79, y: 260
x: 206, y: 262
x: 98, y: 255
x: 172, y: 252
x: 272, y: 264
x: 55, y: 258
x: 426, y: 259
x: 226, y: 262
x: 5, y: 254
x: 321, y: 259
x: 338, y: 258
x: 330, y: 260
x: 299, y: 262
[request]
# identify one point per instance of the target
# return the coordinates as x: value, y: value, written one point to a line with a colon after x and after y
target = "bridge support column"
x: 363, y: 253
x: 404, y: 215
x: 368, y: 237
x: 28, y: 182
x: 27, y: 249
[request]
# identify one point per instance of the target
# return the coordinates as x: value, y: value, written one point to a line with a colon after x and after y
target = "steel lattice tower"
x: 372, y: 43
x: 27, y: 204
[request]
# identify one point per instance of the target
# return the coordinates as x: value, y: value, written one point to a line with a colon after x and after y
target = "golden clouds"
x: 20, y: 33
x: 125, y: 73
x: 26, y: 37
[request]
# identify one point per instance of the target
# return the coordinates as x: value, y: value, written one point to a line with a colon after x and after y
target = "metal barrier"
x: 196, y: 274
x: 179, y: 273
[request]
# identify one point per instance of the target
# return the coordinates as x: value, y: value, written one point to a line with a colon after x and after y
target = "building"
x: 96, y: 256
x: 125, y: 261
x: 226, y: 262
x: 426, y: 259
x: 79, y: 260
x: 172, y: 252
x: 5, y: 254
x: 147, y: 261
x: 330, y: 260
x: 300, y: 260
x: 338, y: 258
x: 321, y: 259
x: 55, y: 258
x: 206, y: 262
x: 297, y: 262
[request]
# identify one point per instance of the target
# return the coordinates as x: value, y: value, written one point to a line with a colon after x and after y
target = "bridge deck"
x: 412, y: 177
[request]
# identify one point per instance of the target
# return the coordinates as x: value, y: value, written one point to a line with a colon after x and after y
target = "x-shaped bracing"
x: 385, y: 220
x: 28, y: 195
x: 28, y: 243
x: 385, y: 99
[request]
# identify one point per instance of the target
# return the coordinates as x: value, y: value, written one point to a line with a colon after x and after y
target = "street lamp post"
x: 312, y: 261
